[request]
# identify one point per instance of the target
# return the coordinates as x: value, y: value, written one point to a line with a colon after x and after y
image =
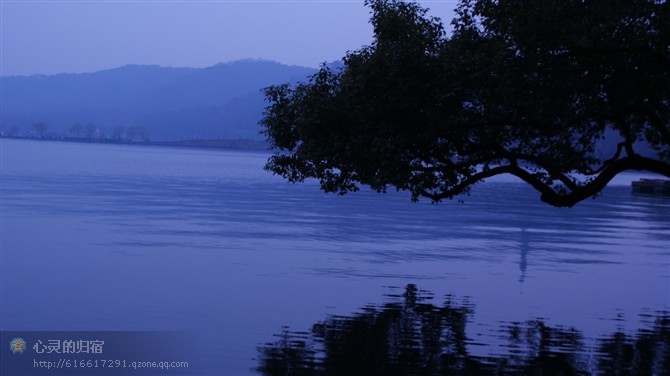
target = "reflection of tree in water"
x: 414, y: 337
x: 648, y: 353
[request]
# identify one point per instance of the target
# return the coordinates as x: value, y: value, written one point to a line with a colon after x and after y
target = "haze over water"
x: 115, y: 237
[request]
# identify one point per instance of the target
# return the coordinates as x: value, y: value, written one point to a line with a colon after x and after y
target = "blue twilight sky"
x: 52, y: 36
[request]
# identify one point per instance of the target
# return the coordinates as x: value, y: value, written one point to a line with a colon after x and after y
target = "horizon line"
x: 260, y: 60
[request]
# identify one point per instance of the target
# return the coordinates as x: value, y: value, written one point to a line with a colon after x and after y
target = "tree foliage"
x: 518, y: 87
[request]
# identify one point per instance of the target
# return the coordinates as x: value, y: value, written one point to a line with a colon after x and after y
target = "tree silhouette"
x: 76, y: 130
x: 117, y: 133
x: 138, y: 134
x: 527, y: 88
x: 90, y: 131
x: 40, y: 129
x: 14, y: 131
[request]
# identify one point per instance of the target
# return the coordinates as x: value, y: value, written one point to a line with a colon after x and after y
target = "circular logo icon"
x: 17, y: 345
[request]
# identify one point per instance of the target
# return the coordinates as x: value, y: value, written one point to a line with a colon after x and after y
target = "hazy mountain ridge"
x: 222, y: 101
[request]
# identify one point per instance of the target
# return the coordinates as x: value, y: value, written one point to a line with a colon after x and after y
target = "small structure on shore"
x: 655, y: 186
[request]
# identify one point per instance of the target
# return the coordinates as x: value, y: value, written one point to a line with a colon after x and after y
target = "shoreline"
x: 209, y: 144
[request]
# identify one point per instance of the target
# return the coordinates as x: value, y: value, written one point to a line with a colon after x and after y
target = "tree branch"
x: 596, y: 185
x: 464, y: 184
x: 548, y: 194
x: 619, y: 148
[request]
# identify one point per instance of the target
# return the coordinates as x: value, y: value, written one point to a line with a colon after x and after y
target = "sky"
x: 74, y: 36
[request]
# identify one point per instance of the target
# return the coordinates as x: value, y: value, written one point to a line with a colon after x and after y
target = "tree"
x: 40, y: 129
x: 138, y: 134
x: 520, y: 87
x: 90, y: 131
x: 14, y: 131
x: 76, y: 130
x: 117, y: 133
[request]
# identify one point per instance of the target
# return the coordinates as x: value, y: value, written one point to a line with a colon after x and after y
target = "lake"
x: 99, y: 237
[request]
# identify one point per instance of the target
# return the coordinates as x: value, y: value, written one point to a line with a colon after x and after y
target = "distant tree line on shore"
x: 78, y: 131
x: 140, y: 135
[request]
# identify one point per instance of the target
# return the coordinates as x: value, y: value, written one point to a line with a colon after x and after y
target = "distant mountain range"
x: 222, y: 101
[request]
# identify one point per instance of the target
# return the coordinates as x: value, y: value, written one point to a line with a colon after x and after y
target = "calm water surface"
x: 114, y: 237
